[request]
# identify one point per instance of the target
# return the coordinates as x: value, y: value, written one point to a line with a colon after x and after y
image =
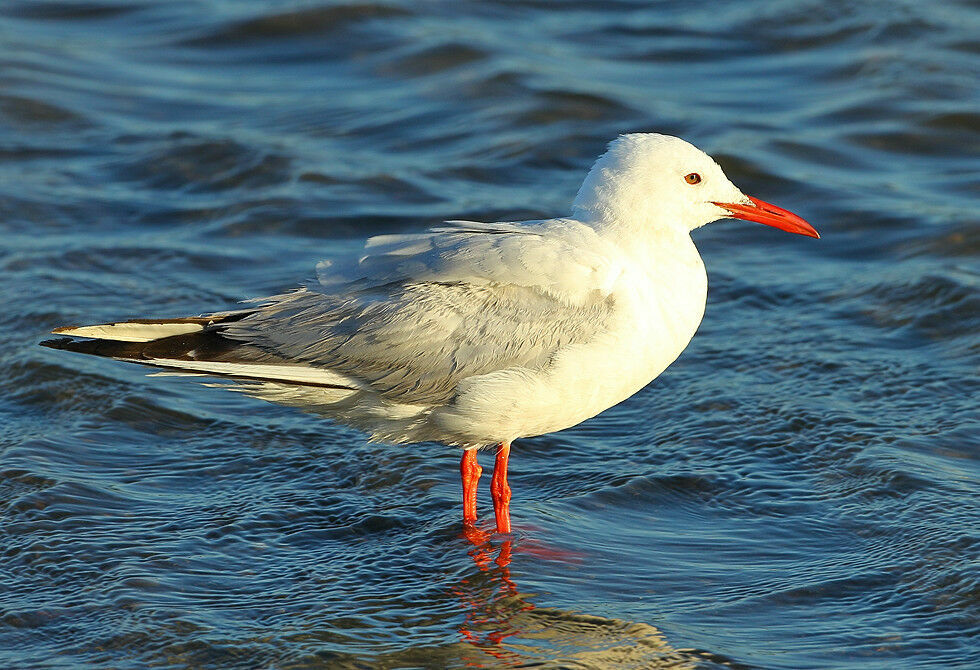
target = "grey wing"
x: 414, y: 342
x: 419, y: 313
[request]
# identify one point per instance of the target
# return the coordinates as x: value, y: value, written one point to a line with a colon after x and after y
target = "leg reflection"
x: 490, y: 597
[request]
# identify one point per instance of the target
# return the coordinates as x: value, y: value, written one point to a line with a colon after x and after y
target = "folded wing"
x: 407, y: 321
x: 419, y: 313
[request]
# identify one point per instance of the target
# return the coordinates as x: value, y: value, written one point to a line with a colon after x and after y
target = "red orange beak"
x: 777, y: 217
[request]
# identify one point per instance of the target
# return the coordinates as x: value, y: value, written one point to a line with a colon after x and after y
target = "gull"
x: 477, y: 334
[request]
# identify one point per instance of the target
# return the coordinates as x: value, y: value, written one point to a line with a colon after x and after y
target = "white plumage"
x: 479, y: 333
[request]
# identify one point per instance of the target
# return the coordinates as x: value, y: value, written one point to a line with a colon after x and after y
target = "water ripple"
x: 798, y: 490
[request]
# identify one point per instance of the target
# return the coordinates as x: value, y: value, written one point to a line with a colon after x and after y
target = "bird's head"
x: 661, y: 182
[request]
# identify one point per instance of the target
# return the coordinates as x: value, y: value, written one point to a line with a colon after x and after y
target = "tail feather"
x: 148, y: 330
x: 194, y: 345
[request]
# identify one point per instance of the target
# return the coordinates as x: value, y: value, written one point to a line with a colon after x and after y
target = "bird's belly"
x: 585, y: 383
x: 582, y: 380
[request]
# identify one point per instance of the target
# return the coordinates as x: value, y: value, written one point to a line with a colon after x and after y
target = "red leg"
x: 500, y: 490
x: 470, y: 471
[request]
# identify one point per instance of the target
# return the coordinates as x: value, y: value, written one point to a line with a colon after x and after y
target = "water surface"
x: 799, y: 490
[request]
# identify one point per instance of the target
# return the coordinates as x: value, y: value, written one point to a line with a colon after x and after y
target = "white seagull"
x: 476, y: 334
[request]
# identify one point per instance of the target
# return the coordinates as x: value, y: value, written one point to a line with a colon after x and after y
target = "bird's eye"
x: 693, y: 178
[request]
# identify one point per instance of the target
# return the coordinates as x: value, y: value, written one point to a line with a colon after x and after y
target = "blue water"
x: 799, y: 490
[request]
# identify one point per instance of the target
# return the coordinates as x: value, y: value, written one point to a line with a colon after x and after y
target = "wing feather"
x: 420, y: 313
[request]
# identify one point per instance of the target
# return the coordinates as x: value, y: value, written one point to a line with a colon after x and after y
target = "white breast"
x: 659, y: 302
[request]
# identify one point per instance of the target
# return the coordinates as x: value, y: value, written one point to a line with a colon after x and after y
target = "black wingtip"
x: 107, y: 348
x: 58, y: 343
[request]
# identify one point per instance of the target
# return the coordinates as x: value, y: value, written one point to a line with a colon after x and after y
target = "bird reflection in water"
x: 504, y: 629
x: 490, y: 597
